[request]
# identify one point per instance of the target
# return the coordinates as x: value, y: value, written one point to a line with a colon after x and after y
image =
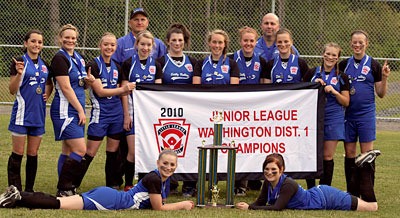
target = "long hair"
x: 286, y: 31
x: 144, y: 34
x: 334, y: 45
x: 274, y: 158
x: 226, y: 39
x: 28, y: 36
x: 180, y: 29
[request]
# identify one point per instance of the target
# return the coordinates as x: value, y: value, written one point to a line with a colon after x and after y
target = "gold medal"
x: 81, y: 82
x: 352, y: 91
x: 216, y: 73
x: 37, y: 74
x: 39, y: 90
x: 144, y: 76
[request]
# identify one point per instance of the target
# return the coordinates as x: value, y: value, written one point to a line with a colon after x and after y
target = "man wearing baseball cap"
x: 138, y: 22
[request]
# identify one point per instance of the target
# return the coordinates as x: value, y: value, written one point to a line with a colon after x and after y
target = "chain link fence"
x: 313, y: 23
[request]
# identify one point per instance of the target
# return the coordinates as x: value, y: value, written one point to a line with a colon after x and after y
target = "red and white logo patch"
x: 225, y: 68
x: 256, y: 66
x: 83, y: 62
x: 365, y: 70
x: 333, y: 81
x: 172, y: 134
x: 152, y: 69
x: 115, y: 74
x: 44, y: 69
x: 189, y: 67
x: 293, y: 70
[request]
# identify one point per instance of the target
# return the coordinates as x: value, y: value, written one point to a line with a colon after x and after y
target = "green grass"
x: 387, y: 185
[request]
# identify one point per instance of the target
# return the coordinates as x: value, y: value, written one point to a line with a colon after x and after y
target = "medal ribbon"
x: 38, y: 69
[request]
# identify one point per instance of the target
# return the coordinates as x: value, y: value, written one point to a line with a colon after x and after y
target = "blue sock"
x: 75, y: 156
x: 60, y: 164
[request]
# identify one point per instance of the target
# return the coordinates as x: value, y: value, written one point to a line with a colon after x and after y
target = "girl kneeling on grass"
x: 150, y: 192
x: 279, y: 192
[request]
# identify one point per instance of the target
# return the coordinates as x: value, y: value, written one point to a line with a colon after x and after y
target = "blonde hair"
x: 247, y: 29
x: 224, y: 34
x: 286, y: 31
x: 144, y: 34
x: 333, y: 45
x: 106, y: 34
x: 66, y: 27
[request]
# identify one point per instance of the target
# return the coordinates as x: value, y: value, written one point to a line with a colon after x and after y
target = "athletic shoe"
x: 9, y: 198
x: 189, y: 192
x: 66, y: 193
x: 367, y: 157
x: 240, y: 192
x: 127, y: 188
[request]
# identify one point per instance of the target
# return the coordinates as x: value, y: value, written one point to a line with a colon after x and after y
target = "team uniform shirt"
x: 290, y: 70
x: 252, y: 69
x: 177, y: 70
x: 140, y: 71
x: 105, y: 198
x: 126, y: 48
x: 106, y: 109
x: 29, y: 107
x: 288, y: 194
x: 269, y: 53
x: 216, y: 72
x: 62, y: 112
x: 363, y: 74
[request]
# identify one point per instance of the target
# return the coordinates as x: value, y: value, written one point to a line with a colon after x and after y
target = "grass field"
x: 387, y: 185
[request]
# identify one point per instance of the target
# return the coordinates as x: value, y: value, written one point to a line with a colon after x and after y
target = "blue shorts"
x: 67, y: 128
x: 335, y: 199
x: 26, y: 130
x: 334, y: 131
x: 365, y: 131
x: 106, y: 198
x: 105, y: 129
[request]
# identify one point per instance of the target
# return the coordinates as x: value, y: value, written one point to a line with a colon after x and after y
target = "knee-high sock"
x: 352, y: 176
x: 14, y: 170
x: 38, y: 200
x: 328, y: 173
x: 85, y: 163
x: 111, y: 169
x: 61, y: 160
x: 367, y: 180
x: 68, y: 174
x: 30, y: 171
x: 310, y: 183
x: 129, y: 173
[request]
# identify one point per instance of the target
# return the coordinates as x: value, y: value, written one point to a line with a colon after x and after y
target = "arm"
x: 15, y: 79
x: 69, y: 93
x: 127, y: 118
x: 235, y: 72
x: 197, y: 72
x: 156, y: 203
x: 381, y: 86
x: 49, y: 89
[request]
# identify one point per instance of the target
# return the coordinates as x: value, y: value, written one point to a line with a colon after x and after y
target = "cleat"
x: 10, y: 197
x: 189, y: 192
x: 367, y: 157
x: 66, y: 193
x: 240, y: 192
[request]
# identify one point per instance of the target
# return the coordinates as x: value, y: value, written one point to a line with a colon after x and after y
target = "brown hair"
x: 359, y: 32
x: 66, y: 27
x: 224, y: 34
x: 274, y: 158
x: 285, y: 31
x: 334, y: 45
x: 179, y: 28
x: 28, y: 35
x: 167, y: 152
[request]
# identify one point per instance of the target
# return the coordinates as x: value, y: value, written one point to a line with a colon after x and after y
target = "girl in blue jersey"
x: 366, y: 77
x: 140, y: 68
x: 150, y: 193
x: 29, y: 83
x: 216, y: 68
x: 286, y: 67
x: 67, y: 109
x: 106, y: 117
x: 337, y: 98
x: 282, y: 192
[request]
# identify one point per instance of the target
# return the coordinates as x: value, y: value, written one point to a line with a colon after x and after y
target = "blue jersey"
x: 286, y: 74
x: 215, y: 73
x: 174, y: 73
x: 106, y: 109
x: 126, y: 48
x: 29, y: 107
x: 269, y: 53
x: 334, y: 112
x: 249, y: 72
x: 362, y: 96
x: 76, y: 72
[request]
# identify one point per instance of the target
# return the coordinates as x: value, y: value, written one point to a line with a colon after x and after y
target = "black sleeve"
x: 343, y: 64
x: 234, y: 72
x: 303, y: 67
x: 159, y: 74
x: 264, y: 73
x: 288, y: 190
x: 197, y: 68
x: 119, y: 68
x: 161, y: 60
x: 152, y: 182
x: 192, y: 60
x: 60, y: 65
x: 376, y: 70
x: 345, y: 84
x: 94, y: 69
x: 126, y: 66
x: 230, y: 56
x: 309, y: 75
x: 269, y: 66
x: 13, y: 71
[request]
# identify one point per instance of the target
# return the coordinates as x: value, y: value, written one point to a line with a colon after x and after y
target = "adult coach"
x: 266, y: 46
x: 138, y: 22
x: 366, y: 76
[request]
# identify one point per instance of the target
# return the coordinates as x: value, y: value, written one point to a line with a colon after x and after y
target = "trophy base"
x: 215, y: 206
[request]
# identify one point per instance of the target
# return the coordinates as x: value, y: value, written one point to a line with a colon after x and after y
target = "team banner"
x: 258, y: 119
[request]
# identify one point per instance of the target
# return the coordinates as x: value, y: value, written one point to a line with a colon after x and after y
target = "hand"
x: 44, y: 97
x: 82, y: 118
x: 187, y: 205
x: 129, y: 87
x: 242, y: 206
x: 319, y: 80
x: 127, y: 123
x: 330, y: 89
x: 89, y: 79
x: 19, y: 66
x: 385, y: 70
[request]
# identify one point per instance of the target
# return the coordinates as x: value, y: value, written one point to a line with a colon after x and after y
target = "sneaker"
x: 127, y: 188
x: 240, y: 192
x: 9, y: 198
x: 367, y: 157
x: 189, y: 192
x: 66, y: 193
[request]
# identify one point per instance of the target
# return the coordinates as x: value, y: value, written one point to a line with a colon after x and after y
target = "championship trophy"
x: 213, y: 190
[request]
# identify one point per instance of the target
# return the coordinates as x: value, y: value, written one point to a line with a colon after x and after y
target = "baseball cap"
x: 137, y: 11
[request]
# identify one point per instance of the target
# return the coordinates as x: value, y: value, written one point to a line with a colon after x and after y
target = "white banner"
x: 259, y: 122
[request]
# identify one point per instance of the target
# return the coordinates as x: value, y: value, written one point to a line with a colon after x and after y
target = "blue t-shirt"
x: 249, y: 72
x: 269, y: 53
x: 177, y: 73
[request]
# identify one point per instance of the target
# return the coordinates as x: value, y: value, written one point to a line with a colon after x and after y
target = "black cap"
x: 137, y: 11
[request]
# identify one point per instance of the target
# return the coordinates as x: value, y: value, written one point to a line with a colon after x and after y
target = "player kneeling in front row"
x: 150, y: 192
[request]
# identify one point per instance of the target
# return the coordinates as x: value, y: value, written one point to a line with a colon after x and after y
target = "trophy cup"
x: 215, y: 195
